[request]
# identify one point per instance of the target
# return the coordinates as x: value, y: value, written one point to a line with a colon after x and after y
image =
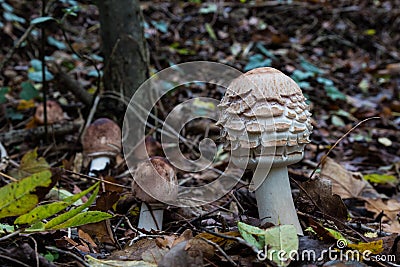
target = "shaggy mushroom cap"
x: 264, y: 113
x: 101, y: 138
x: 155, y: 181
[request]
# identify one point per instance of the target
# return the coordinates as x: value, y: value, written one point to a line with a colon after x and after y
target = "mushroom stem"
x: 151, y: 216
x: 274, y: 197
x: 98, y: 164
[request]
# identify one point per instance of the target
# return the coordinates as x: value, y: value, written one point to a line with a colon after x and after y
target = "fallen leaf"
x: 347, y: 184
x: 188, y: 253
x: 320, y: 191
x: 281, y: 238
x: 390, y: 207
x: 112, y: 263
x: 19, y: 197
x: 375, y: 247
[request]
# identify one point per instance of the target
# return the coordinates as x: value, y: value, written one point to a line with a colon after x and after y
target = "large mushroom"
x: 101, y: 143
x: 266, y: 124
x: 154, y: 182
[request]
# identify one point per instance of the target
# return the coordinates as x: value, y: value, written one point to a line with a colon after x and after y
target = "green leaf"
x: 28, y: 91
x: 12, y: 17
x: 248, y: 232
x: 334, y: 93
x: 36, y: 227
x: 307, y: 66
x: 18, y: 197
x: 257, y: 61
x: 5, y: 228
x: 335, y: 234
x: 210, y: 31
x: 53, y: 224
x: 54, y: 42
x: 299, y: 75
x: 41, y: 20
x: 325, y: 81
x: 13, y: 115
x: 381, y: 178
x: 36, y: 64
x: 265, y: 51
x: 7, y: 7
x: 281, y: 241
x: 3, y: 92
x: 36, y: 76
x: 337, y: 121
x: 84, y: 218
x: 47, y: 210
x: 162, y: 26
x: 208, y: 8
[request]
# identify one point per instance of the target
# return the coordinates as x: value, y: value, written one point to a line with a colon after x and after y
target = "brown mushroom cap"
x: 264, y: 109
x: 54, y: 113
x: 155, y: 181
x: 102, y: 137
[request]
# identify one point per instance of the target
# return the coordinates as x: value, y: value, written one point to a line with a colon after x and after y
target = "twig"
x: 16, y: 46
x: 17, y: 136
x: 220, y: 250
x: 337, y: 142
x: 14, y: 260
x: 68, y: 253
x: 71, y: 85
x: 96, y: 179
x: 9, y: 235
x: 237, y: 239
x: 36, y: 251
x: 8, y: 176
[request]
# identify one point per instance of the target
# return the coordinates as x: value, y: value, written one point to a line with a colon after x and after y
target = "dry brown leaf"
x: 391, y: 207
x: 166, y: 241
x: 320, y: 190
x: 394, y: 227
x: 347, y: 184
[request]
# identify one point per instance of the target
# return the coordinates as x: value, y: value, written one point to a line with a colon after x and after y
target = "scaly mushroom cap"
x: 264, y: 109
x: 101, y: 138
x: 154, y: 181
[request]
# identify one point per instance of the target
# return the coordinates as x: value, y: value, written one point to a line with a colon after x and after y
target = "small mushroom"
x: 266, y: 124
x: 54, y: 113
x: 101, y: 143
x: 154, y: 181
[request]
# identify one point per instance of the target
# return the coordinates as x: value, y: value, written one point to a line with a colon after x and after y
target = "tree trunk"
x: 125, y: 51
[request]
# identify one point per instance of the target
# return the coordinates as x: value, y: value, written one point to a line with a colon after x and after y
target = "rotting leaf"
x: 320, y: 190
x: 280, y: 239
x: 19, y: 197
x: 30, y: 164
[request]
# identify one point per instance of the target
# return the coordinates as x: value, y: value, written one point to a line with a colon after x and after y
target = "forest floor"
x: 344, y: 55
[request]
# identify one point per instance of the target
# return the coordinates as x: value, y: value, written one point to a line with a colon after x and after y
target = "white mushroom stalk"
x: 154, y: 182
x: 101, y: 143
x: 266, y: 126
